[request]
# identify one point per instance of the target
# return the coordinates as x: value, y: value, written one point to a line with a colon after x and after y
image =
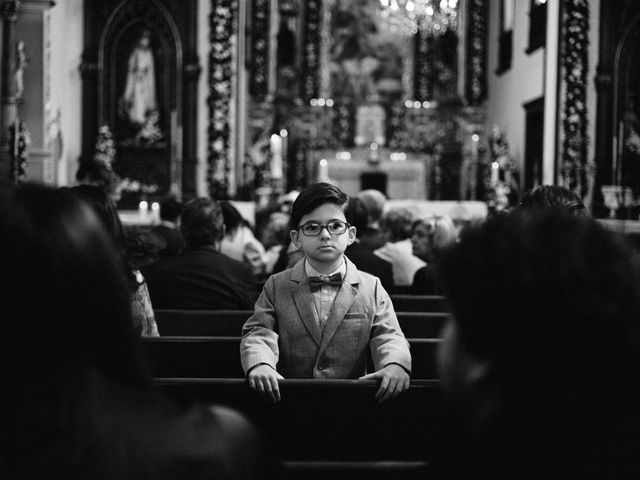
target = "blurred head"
x: 552, y: 197
x: 374, y: 201
x: 170, y: 209
x: 431, y: 234
x: 356, y: 215
x: 67, y: 308
x: 232, y: 217
x: 396, y: 223
x: 202, y: 222
x: 544, y: 307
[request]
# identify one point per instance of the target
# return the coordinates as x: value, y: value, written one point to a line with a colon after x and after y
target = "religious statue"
x: 20, y: 64
x: 139, y: 98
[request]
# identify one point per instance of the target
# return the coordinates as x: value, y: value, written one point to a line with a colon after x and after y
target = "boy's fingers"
x: 382, y: 391
x: 275, y: 389
x: 370, y: 376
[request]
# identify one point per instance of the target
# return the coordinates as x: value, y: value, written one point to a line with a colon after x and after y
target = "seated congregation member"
x: 323, y: 318
x: 552, y: 197
x: 363, y: 258
x: 239, y: 242
x: 372, y: 237
x: 78, y: 403
x: 202, y: 277
x: 168, y: 230
x: 541, y: 358
x: 142, y: 310
x: 396, y: 225
x: 430, y: 236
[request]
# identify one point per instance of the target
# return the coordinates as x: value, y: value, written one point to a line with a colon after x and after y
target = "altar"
x: 404, y: 175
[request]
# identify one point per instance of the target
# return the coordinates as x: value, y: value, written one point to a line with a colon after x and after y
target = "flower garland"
x: 500, y: 178
x: 19, y: 139
x: 424, y: 66
x: 476, y: 84
x: 259, y: 77
x: 311, y: 56
x: 574, y: 67
x: 222, y: 30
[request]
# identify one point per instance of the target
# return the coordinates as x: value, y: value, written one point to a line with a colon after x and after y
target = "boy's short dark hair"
x: 202, y: 222
x: 312, y: 197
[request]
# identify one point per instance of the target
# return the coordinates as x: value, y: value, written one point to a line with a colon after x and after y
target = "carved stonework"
x: 11, y: 10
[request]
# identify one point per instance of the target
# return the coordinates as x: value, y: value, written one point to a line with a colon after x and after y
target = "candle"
x: 475, y: 138
x: 276, y: 156
x: 323, y: 171
x: 495, y: 172
x: 143, y: 206
x: 155, y: 211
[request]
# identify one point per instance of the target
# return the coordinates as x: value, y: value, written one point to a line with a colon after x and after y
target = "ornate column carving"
x: 9, y: 12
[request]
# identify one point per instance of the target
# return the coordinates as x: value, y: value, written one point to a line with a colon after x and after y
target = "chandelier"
x: 432, y: 17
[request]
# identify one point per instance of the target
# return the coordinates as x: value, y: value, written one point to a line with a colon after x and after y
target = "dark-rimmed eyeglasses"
x: 313, y: 229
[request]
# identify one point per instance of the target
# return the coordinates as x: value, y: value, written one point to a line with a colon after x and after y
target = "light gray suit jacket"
x: 284, y: 330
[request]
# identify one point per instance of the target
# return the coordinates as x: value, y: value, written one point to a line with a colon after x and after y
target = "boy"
x: 313, y: 324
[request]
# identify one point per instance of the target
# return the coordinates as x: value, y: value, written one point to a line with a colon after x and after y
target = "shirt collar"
x: 312, y: 272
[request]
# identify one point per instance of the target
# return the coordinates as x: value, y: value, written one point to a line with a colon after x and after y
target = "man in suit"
x: 360, y: 255
x: 202, y: 277
x: 168, y: 231
x: 323, y: 318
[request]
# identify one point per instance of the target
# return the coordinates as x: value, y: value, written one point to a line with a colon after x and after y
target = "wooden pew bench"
x: 419, y: 303
x: 335, y: 421
x: 229, y: 323
x: 219, y: 357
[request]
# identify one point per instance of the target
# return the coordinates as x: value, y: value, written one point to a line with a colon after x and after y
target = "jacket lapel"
x: 303, y: 299
x: 344, y: 299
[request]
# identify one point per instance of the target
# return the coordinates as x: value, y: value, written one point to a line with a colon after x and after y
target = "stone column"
x: 9, y: 12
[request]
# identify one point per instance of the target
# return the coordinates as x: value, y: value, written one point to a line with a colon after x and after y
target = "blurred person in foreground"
x: 540, y: 361
x: 78, y: 402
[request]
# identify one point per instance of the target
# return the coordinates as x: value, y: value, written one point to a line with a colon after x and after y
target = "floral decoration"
x: 259, y: 77
x: 500, y: 178
x: 19, y: 139
x: 222, y: 30
x: 311, y: 53
x: 476, y: 84
x: 424, y: 65
x: 574, y: 70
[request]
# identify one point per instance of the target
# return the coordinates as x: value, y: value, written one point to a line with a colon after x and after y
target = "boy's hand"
x: 393, y: 380
x: 264, y: 379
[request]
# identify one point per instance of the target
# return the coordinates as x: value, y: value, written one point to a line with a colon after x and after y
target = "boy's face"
x: 324, y: 251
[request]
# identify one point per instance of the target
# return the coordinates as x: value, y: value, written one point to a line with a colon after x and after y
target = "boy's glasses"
x: 313, y: 229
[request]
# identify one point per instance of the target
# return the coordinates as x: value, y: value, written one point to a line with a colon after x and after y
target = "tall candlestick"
x: 276, y: 156
x: 323, y: 171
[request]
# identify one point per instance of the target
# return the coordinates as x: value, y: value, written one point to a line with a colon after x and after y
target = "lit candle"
x: 475, y: 138
x: 323, y: 171
x: 495, y: 172
x: 276, y: 156
x: 155, y: 211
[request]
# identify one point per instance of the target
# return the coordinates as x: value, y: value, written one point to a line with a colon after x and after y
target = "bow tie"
x: 334, y: 280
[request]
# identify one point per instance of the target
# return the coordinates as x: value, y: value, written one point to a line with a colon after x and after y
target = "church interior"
x: 448, y: 110
x: 469, y: 101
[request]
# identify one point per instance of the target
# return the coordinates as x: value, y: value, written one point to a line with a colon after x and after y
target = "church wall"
x: 66, y: 51
x: 523, y: 82
x: 592, y: 94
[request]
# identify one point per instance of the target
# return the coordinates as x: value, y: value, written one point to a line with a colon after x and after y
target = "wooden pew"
x: 336, y: 422
x: 219, y: 357
x: 177, y: 323
x: 419, y: 303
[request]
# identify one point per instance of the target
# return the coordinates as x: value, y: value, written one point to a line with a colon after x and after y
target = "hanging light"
x: 433, y: 17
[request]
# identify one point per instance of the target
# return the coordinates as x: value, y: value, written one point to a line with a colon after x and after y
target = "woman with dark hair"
x: 239, y: 241
x: 142, y: 310
x: 78, y: 402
